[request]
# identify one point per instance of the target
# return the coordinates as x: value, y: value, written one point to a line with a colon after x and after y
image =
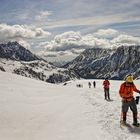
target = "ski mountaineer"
x: 94, y: 84
x: 89, y: 84
x: 126, y: 93
x: 106, y: 85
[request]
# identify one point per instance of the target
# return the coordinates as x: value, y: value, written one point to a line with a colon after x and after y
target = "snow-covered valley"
x: 35, y: 110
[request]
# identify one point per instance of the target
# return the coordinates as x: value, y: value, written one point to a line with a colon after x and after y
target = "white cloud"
x: 106, y: 33
x: 91, y: 41
x: 47, y: 54
x: 75, y: 51
x: 10, y: 32
x: 43, y: 15
x: 21, y: 34
x: 74, y: 40
x: 73, y: 43
x: 126, y: 39
x: 65, y: 41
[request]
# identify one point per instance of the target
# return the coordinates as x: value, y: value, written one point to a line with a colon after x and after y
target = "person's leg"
x: 108, y: 95
x: 133, y: 108
x: 125, y: 107
x: 105, y: 93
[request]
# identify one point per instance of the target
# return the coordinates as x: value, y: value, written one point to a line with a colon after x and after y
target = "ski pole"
x: 121, y: 117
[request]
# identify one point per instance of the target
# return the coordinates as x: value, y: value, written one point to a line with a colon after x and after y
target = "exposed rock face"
x: 14, y: 51
x: 101, y: 63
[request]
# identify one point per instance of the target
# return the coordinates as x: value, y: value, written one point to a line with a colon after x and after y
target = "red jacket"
x: 126, y: 90
x: 106, y: 84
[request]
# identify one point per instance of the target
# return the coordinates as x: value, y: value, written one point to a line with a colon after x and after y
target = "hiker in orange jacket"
x: 106, y: 85
x: 126, y: 93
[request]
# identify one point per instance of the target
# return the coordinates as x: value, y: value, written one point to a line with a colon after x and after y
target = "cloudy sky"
x: 61, y: 29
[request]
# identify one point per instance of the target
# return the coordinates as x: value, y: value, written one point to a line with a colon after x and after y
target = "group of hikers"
x: 106, y: 85
x: 126, y: 93
x: 94, y: 84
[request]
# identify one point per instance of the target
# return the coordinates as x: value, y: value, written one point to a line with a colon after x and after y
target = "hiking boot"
x: 136, y: 124
x: 123, y: 122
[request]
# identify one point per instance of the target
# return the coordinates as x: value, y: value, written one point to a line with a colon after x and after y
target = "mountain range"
x: 93, y: 63
x: 14, y: 58
x: 100, y: 63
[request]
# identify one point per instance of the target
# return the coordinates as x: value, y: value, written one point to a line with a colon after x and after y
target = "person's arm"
x: 135, y: 89
x: 108, y: 83
x: 121, y: 91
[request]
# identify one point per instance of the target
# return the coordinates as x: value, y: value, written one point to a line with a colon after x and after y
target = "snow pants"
x: 107, y: 96
x: 133, y: 107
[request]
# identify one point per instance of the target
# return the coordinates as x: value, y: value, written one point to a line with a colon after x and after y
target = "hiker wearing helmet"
x: 126, y: 93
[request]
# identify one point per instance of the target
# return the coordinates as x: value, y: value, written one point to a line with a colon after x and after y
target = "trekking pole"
x: 121, y: 117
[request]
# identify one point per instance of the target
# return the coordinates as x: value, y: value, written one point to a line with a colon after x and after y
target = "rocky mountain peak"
x: 15, y: 51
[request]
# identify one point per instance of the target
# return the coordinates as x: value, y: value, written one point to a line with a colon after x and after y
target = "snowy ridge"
x: 38, y: 69
x: 100, y: 63
x: 16, y: 59
x: 32, y: 109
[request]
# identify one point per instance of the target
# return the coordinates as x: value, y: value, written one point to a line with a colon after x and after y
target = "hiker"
x: 126, y: 93
x: 106, y: 85
x: 79, y: 85
x: 89, y: 84
x: 94, y: 84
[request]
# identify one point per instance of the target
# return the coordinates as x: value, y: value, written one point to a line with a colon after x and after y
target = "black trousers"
x: 107, y: 94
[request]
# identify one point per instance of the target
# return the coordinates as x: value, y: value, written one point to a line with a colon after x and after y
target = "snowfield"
x: 35, y: 110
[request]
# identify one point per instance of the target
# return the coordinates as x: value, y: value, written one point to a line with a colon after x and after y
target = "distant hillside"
x: 14, y: 58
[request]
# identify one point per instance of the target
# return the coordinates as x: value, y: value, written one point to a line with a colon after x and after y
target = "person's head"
x: 129, y: 78
x: 106, y: 78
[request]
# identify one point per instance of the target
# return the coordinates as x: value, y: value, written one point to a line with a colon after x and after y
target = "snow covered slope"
x: 35, y: 110
x: 15, y: 58
x: 38, y: 69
